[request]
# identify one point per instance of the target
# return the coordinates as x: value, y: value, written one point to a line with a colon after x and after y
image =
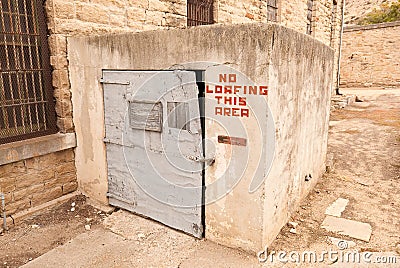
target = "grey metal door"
x: 153, y: 141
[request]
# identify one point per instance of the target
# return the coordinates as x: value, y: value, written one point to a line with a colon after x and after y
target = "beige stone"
x: 135, y: 15
x: 59, y: 62
x: 14, y: 207
x: 64, y: 108
x: 7, y: 184
x: 65, y: 125
x: 34, y: 178
x: 92, y: 13
x: 28, y: 192
x: 121, y: 4
x: 354, y: 229
x: 70, y: 187
x: 46, y: 196
x: 64, y: 9
x: 60, y: 78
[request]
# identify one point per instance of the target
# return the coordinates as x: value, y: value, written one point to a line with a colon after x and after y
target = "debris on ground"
x: 354, y: 229
x: 337, y: 207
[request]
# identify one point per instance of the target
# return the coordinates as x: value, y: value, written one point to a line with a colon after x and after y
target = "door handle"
x: 208, y: 161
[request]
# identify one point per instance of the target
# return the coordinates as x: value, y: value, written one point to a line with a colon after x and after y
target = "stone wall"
x: 34, y: 181
x: 371, y: 56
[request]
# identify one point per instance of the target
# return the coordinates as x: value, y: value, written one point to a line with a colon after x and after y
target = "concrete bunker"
x: 266, y: 109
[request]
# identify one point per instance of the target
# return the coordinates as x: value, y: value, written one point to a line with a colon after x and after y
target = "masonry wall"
x: 278, y: 57
x: 34, y: 181
x: 371, y: 56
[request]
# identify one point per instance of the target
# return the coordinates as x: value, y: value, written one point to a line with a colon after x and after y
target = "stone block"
x: 111, y: 3
x: 119, y: 20
x: 92, y: 13
x: 154, y: 17
x: 135, y: 15
x: 63, y: 108
x: 354, y: 229
x: 60, y: 78
x: 157, y: 5
x: 7, y: 184
x: 65, y: 124
x: 337, y: 207
x: 59, y: 62
x: 28, y: 192
x: 58, y: 44
x: 46, y: 196
x: 33, y: 178
x: 70, y: 187
x: 13, y: 169
x: 144, y: 4
x: 176, y: 21
x: 68, y: 167
x: 64, y: 9
x: 13, y: 207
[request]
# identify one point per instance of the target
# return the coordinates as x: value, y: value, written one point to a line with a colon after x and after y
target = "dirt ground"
x: 47, y: 230
x: 364, y: 143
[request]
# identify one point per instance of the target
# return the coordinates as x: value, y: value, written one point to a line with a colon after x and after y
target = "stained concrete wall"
x: 298, y: 71
x: 371, y: 56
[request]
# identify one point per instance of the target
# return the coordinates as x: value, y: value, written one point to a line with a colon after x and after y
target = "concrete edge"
x: 21, y: 150
x: 371, y: 26
x: 22, y: 215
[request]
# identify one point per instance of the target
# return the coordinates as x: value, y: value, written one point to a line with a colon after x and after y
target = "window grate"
x: 26, y: 101
x: 272, y: 10
x: 200, y: 12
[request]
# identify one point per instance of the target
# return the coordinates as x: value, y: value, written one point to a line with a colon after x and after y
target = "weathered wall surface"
x: 371, y: 56
x: 299, y: 103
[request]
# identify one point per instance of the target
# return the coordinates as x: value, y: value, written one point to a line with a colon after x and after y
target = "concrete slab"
x: 354, y: 229
x: 337, y: 207
x: 132, y: 241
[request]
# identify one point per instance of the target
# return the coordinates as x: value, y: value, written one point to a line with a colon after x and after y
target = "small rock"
x: 337, y: 207
x: 87, y: 227
x: 141, y: 236
x: 34, y: 226
x: 88, y: 219
x: 293, y: 224
x: 98, y: 212
x: 73, y: 209
x: 73, y: 204
x: 293, y: 231
x: 30, y: 259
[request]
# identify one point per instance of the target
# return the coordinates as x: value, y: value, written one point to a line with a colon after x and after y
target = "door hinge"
x: 102, y: 81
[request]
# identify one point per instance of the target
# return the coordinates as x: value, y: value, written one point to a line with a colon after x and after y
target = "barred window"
x: 26, y: 95
x: 310, y: 5
x: 272, y: 10
x: 200, y: 12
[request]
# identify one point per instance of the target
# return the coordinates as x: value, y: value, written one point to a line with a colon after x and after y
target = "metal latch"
x: 208, y: 161
x: 102, y: 81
